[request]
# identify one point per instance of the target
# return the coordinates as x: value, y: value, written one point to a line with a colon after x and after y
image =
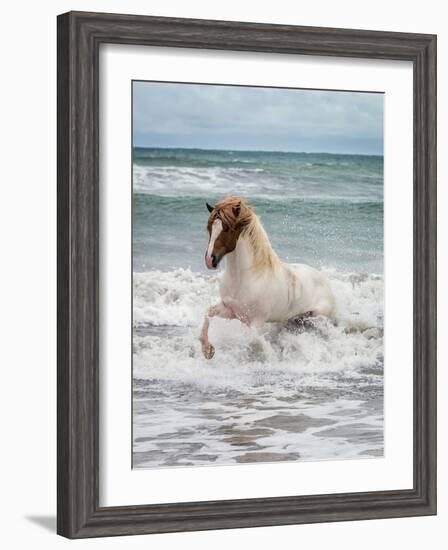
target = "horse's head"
x: 226, y: 221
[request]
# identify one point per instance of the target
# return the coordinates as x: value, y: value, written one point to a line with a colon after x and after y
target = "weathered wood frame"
x: 79, y: 37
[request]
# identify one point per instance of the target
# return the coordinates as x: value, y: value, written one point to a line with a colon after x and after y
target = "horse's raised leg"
x: 207, y: 349
x: 219, y: 310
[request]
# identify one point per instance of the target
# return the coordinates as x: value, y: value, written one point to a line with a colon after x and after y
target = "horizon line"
x: 260, y: 151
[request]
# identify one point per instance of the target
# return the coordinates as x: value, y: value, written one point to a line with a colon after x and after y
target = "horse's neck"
x: 240, y: 260
x: 253, y: 253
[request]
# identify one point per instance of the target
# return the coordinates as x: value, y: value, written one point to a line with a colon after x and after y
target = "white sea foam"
x: 172, y: 181
x: 171, y: 306
x: 277, y: 394
x: 197, y: 180
x: 175, y: 298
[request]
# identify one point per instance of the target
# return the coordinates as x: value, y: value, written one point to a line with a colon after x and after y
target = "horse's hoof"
x: 208, y: 351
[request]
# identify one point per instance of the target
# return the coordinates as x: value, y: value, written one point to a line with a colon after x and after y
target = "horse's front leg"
x: 219, y: 310
x: 246, y: 314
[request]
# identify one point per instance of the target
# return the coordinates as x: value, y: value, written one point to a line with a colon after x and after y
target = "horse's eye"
x: 225, y: 228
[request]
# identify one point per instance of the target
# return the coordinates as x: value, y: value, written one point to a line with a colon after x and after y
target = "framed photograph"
x: 246, y: 274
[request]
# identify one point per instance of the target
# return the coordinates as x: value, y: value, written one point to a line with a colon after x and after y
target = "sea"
x: 282, y: 393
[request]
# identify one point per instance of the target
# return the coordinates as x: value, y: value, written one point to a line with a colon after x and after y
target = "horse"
x: 256, y: 287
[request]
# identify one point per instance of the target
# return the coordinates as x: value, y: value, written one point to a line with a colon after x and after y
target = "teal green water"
x: 326, y: 210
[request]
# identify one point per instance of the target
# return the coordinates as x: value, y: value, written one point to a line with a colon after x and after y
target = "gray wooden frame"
x: 79, y: 37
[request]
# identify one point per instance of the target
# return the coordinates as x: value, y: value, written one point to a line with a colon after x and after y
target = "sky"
x: 251, y: 118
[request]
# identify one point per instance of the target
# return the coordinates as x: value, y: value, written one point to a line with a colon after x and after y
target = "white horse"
x: 256, y: 286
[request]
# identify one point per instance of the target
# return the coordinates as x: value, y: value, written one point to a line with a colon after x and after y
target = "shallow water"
x: 206, y: 426
x: 286, y: 392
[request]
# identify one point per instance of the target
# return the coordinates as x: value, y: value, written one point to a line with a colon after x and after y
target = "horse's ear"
x: 236, y: 210
x: 209, y: 208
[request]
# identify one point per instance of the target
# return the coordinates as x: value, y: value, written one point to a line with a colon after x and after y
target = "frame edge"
x: 79, y: 515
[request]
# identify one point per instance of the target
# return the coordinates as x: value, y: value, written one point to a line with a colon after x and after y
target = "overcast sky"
x: 270, y: 119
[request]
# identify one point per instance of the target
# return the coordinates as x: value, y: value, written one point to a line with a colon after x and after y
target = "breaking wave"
x: 169, y: 309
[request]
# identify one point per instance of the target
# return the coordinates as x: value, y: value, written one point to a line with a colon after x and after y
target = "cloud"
x: 239, y: 117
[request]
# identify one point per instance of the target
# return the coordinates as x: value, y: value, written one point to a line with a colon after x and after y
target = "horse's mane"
x: 235, y: 212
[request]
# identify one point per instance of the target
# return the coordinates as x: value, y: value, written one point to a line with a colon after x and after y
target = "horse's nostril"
x: 214, y: 260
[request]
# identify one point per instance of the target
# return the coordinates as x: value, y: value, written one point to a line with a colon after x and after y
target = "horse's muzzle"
x: 211, y: 261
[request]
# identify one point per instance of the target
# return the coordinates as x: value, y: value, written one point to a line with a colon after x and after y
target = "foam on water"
x: 179, y: 298
x: 181, y: 398
x: 249, y: 179
x: 196, y: 181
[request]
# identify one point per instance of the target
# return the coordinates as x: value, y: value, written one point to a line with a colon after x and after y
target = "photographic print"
x: 257, y: 240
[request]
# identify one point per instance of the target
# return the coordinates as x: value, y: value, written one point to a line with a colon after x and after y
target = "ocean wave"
x: 264, y: 182
x: 172, y: 180
x: 169, y: 309
x: 186, y: 161
x: 172, y: 298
